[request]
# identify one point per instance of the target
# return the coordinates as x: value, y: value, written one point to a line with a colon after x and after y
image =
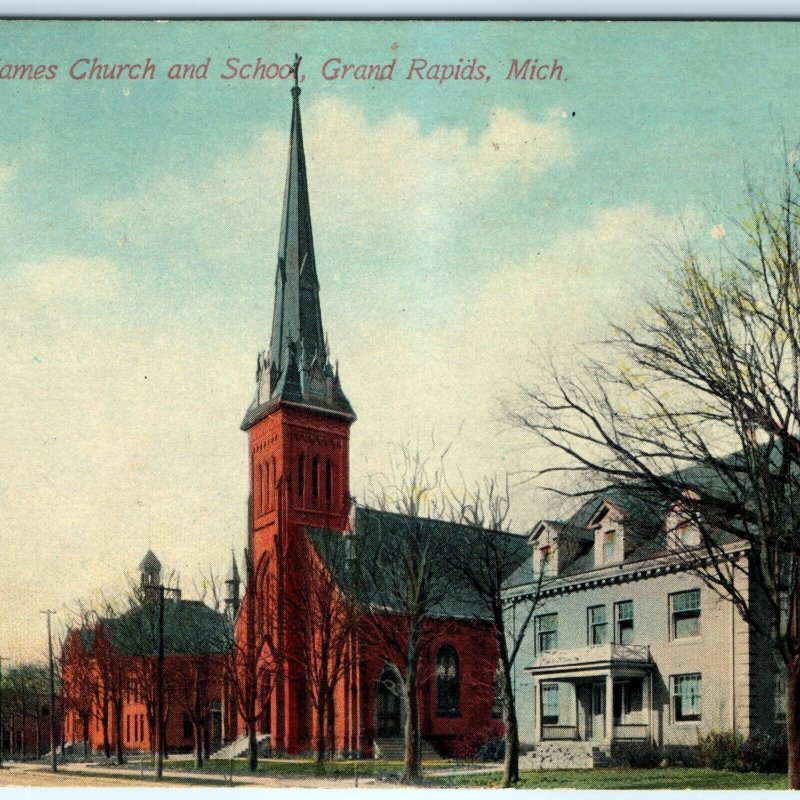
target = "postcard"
x: 400, y: 403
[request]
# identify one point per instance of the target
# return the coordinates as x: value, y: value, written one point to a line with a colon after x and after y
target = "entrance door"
x: 389, y: 704
x: 598, y: 712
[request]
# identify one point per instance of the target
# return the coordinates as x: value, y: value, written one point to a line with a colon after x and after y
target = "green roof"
x: 369, y: 558
x: 190, y: 628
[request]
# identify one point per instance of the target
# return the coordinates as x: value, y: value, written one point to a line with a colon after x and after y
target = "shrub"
x: 480, y: 743
x: 718, y: 749
x: 763, y: 754
x: 728, y: 750
x: 493, y: 750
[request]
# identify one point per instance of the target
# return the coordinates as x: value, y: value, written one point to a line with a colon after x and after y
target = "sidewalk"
x: 132, y: 774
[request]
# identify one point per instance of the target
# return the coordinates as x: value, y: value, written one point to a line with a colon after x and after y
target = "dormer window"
x: 546, y: 560
x: 609, y: 546
x: 609, y: 542
x: 682, y: 522
x: 544, y: 539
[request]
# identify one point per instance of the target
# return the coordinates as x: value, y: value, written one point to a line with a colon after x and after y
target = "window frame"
x: 609, y: 538
x: 618, y: 620
x: 685, y: 613
x: 540, y: 618
x: 592, y: 625
x: 690, y: 719
x: 550, y: 689
x: 452, y: 692
x: 779, y: 696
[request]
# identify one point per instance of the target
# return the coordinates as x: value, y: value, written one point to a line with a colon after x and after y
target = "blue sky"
x: 458, y: 227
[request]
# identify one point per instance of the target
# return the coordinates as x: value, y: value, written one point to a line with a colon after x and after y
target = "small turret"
x: 150, y: 570
x: 232, y: 584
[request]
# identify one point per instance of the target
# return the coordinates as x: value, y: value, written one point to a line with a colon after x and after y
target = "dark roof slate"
x: 190, y: 628
x: 379, y: 538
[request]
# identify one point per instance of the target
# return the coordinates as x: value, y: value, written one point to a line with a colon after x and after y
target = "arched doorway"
x: 390, y: 707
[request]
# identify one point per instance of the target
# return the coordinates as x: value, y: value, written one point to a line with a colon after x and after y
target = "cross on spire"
x: 296, y: 69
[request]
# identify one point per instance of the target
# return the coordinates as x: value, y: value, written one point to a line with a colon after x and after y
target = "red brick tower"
x: 298, y: 428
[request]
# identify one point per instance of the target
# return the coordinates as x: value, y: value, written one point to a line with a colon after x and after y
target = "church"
x: 298, y: 428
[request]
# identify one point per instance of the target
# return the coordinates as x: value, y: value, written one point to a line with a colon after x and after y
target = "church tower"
x: 298, y: 427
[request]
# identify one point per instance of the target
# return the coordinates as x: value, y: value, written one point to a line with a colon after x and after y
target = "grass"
x: 306, y: 768
x: 609, y: 779
x: 635, y: 779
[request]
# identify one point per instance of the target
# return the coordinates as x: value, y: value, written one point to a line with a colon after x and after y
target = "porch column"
x: 609, y: 707
x: 537, y: 711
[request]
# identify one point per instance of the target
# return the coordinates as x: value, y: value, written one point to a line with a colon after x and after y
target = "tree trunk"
x: 321, y: 729
x: 252, y: 745
x: 511, y: 762
x: 85, y: 726
x: 118, y: 730
x: 793, y: 720
x: 411, y: 764
x: 198, y: 745
x: 106, y: 739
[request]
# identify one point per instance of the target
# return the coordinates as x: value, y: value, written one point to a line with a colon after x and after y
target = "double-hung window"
x: 598, y: 625
x: 686, y: 697
x: 624, y: 621
x: 685, y: 614
x: 547, y: 632
x: 609, y: 546
x: 550, y: 703
x: 780, y: 696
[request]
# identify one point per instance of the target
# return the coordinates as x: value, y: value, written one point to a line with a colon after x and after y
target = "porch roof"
x: 579, y: 662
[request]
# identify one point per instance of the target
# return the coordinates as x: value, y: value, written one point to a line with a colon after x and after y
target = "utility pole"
x: 54, y: 765
x: 160, y: 681
x: 2, y: 727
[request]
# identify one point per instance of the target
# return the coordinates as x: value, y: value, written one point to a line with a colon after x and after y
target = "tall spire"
x: 297, y: 368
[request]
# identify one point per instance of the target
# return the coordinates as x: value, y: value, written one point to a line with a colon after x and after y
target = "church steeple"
x: 297, y: 368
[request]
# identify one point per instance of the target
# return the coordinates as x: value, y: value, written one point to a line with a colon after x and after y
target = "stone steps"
x: 566, y: 755
x: 395, y: 749
x: 240, y: 747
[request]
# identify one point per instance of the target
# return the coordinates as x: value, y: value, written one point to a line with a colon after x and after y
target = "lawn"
x: 612, y: 778
x: 306, y: 768
x: 635, y: 779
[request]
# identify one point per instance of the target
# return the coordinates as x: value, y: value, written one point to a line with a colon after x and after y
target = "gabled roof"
x: 380, y: 538
x: 190, y: 628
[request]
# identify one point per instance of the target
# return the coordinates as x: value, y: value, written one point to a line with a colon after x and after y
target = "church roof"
x: 297, y: 369
x: 363, y: 560
x: 190, y: 628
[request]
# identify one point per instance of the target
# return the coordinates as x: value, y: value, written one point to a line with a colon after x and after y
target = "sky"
x: 461, y: 227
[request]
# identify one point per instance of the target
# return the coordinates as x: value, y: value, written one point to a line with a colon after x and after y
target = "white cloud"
x: 366, y: 178
x: 463, y: 365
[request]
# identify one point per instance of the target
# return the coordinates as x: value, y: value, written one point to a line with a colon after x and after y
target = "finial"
x: 296, y: 73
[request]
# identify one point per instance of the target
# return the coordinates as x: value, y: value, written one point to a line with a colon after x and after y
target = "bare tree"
x: 404, y: 586
x: 254, y: 651
x: 322, y: 620
x: 493, y: 556
x: 698, y: 404
x: 78, y: 678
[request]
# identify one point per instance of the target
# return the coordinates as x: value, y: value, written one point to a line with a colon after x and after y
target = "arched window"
x: 259, y: 500
x: 266, y: 500
x: 274, y: 477
x: 447, y: 680
x: 497, y: 694
x: 328, y: 482
x: 301, y: 474
x: 315, y: 479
